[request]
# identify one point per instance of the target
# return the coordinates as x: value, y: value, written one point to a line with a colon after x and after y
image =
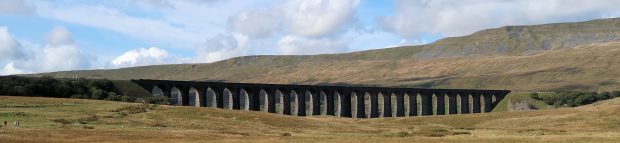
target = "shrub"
x: 603, y: 95
x: 535, y: 95
x: 128, y: 99
x: 80, y: 96
x: 157, y: 100
x: 615, y: 94
x: 88, y: 127
x: 286, y: 134
x: 61, y: 121
x: 96, y: 93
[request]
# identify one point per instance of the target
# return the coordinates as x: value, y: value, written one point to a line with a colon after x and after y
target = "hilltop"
x: 578, y: 56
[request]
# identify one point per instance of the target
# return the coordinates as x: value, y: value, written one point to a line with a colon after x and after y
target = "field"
x: 75, y: 120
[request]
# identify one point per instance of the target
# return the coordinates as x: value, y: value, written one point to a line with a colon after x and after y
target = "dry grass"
x: 128, y: 122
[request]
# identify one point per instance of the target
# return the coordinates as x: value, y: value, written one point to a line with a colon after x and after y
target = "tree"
x: 96, y: 93
x: 603, y: 95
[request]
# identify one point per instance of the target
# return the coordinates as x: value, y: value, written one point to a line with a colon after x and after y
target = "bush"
x: 128, y: 99
x: 61, y: 121
x: 575, y: 98
x: 615, y: 94
x: 603, y: 95
x: 96, y: 93
x: 535, y: 95
x: 80, y: 96
x: 157, y: 100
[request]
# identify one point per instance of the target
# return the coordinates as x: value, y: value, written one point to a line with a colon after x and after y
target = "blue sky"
x: 55, y: 35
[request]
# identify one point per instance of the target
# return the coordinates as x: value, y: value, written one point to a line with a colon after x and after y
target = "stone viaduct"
x: 341, y: 101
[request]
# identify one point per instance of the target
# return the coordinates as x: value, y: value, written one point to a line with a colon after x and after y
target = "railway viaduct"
x: 341, y: 101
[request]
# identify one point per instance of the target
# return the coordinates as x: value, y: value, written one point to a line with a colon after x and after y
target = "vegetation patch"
x: 88, y: 127
x: 574, y: 98
x: 100, y: 89
x: 286, y: 134
x: 62, y: 121
x: 13, y: 114
x: 85, y: 120
x: 134, y: 109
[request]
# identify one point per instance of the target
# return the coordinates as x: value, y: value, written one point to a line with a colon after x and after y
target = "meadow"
x: 80, y: 120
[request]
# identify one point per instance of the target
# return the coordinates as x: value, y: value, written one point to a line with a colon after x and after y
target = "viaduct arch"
x: 341, y: 101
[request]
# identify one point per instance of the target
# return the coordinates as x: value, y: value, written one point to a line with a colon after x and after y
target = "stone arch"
x: 157, y: 91
x: 309, y: 100
x: 244, y: 100
x: 196, y: 97
x: 279, y: 98
x: 227, y: 99
x: 176, y: 96
x: 337, y: 104
x: 354, y: 104
x: 367, y: 104
x: 323, y: 102
x: 294, y: 102
x: 394, y: 103
x: 464, y: 103
x: 211, y: 97
x: 263, y: 99
x: 381, y: 103
x: 411, y: 104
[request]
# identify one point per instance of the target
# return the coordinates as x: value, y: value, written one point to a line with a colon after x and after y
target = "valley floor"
x: 75, y: 120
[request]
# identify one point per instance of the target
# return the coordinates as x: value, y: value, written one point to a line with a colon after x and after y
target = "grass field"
x: 74, y: 120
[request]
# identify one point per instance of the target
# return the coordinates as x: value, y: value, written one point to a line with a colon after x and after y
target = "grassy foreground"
x: 75, y: 120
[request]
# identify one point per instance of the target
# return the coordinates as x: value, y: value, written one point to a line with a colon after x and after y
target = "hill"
x: 75, y: 120
x: 578, y: 56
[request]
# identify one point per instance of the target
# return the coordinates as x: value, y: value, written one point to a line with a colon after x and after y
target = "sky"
x: 58, y: 35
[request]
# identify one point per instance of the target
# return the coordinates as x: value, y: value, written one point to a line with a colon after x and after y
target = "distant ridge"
x: 577, y: 55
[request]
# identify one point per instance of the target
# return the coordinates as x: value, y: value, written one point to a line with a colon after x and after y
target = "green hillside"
x: 578, y: 56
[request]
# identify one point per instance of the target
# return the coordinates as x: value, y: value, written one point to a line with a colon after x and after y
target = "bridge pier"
x: 360, y: 107
x: 488, y: 101
x: 475, y: 102
x: 316, y: 101
x: 286, y: 101
x: 329, y: 95
x: 271, y: 100
x: 374, y: 104
x: 400, y: 104
x: 345, y: 104
x: 219, y: 97
x: 452, y: 103
x: 301, y: 102
x: 441, y: 103
x: 464, y: 102
x: 413, y: 103
x: 427, y: 103
x: 387, y: 103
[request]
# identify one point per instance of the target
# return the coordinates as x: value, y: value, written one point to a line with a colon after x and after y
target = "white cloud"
x: 457, y: 18
x: 222, y: 47
x: 293, y: 45
x: 143, y: 56
x: 9, y: 69
x: 16, y: 7
x: 256, y: 23
x: 303, y: 27
x: 312, y: 18
x: 153, y: 30
x: 9, y: 47
x: 59, y: 53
